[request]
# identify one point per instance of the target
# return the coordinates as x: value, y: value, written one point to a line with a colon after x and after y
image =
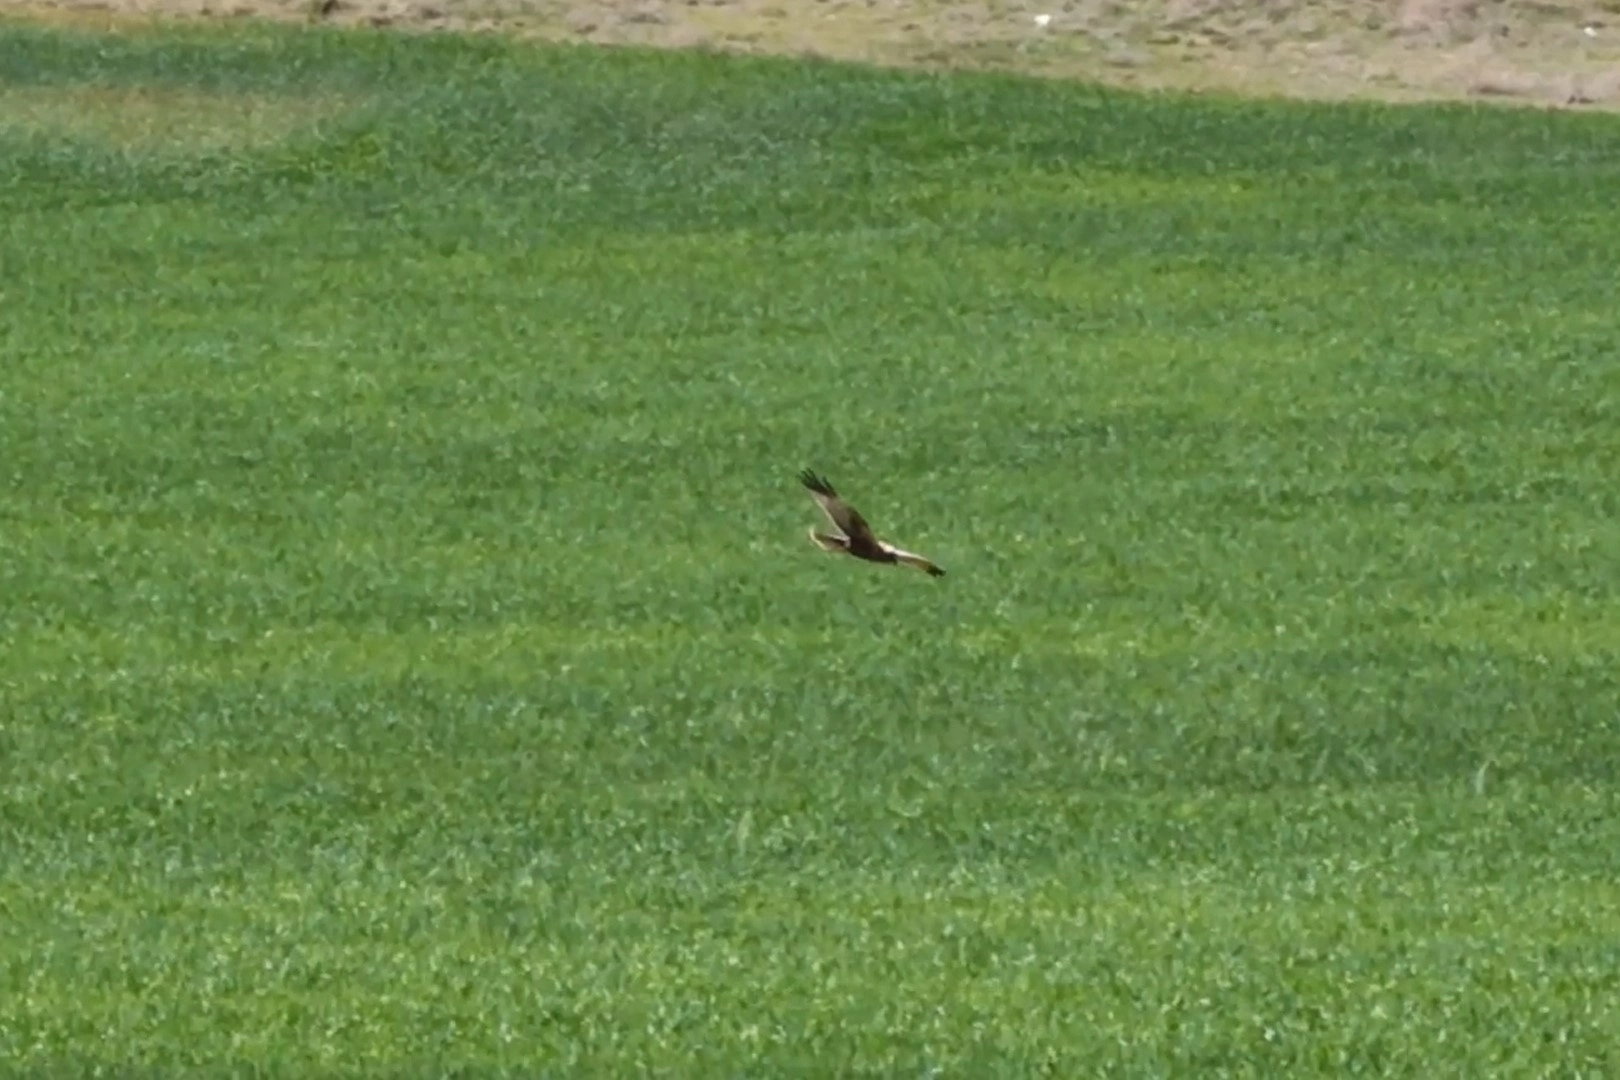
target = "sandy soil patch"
x: 1550, y: 52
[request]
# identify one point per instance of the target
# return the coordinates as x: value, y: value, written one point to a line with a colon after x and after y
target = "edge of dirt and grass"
x: 1560, y: 53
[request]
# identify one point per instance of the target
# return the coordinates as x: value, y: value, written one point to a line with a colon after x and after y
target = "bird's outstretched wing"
x: 839, y: 512
x: 911, y: 558
x: 829, y: 542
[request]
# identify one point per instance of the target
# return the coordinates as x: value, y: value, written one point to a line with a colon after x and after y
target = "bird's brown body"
x: 855, y: 536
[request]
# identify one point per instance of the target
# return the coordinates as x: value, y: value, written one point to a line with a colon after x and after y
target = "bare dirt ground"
x: 1548, y: 52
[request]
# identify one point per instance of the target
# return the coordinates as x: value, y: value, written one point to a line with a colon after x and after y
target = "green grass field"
x: 412, y: 659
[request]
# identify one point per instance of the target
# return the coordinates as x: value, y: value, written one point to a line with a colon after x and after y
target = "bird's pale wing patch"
x: 911, y: 558
x: 828, y: 542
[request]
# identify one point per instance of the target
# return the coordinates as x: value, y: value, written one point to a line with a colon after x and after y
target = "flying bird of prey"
x: 854, y: 535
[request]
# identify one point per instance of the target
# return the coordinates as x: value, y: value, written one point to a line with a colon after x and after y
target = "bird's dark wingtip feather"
x: 816, y: 483
x: 934, y: 571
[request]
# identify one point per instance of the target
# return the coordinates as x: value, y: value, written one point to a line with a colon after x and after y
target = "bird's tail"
x: 828, y: 542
